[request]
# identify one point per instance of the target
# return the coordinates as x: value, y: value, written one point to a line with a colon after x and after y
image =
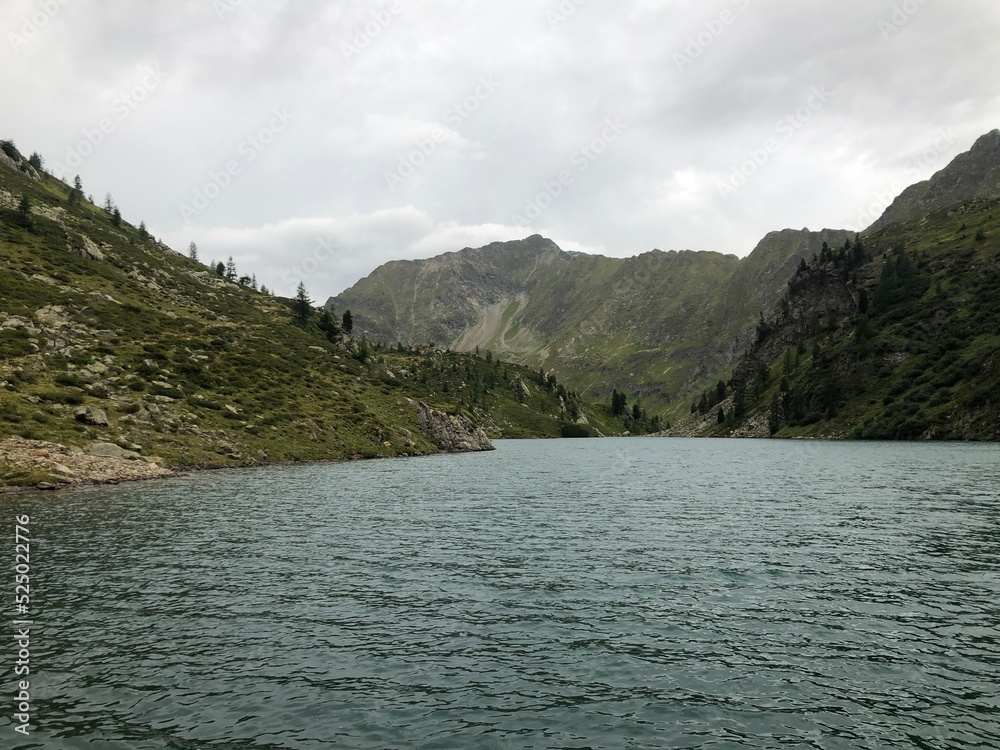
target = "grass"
x: 214, y: 374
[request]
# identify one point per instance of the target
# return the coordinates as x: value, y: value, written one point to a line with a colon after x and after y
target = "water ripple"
x: 606, y: 594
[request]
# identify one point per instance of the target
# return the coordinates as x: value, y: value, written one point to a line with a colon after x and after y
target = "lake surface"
x: 634, y: 593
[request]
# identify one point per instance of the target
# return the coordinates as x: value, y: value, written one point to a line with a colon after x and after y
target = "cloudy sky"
x: 316, y: 139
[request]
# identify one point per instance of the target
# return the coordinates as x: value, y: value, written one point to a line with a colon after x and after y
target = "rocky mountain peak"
x: 973, y: 174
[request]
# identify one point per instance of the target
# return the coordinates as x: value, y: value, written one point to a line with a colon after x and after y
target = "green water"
x: 569, y: 594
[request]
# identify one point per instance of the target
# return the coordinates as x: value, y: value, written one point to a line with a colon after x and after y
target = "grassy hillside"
x: 899, y: 339
x: 99, y: 320
x: 509, y: 400
x: 656, y: 325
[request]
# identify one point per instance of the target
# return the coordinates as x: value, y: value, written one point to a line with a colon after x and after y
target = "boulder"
x: 91, y: 416
x: 53, y: 315
x: 106, y: 450
x: 89, y: 249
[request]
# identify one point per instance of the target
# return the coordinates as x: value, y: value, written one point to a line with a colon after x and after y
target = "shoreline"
x: 124, y: 469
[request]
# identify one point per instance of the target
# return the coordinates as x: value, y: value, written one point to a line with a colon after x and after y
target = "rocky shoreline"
x: 31, y: 465
x: 42, y: 465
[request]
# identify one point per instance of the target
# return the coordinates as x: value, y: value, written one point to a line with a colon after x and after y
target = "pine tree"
x: 193, y: 251
x: 24, y: 211
x: 303, y: 305
x: 721, y: 416
x: 231, y: 269
x: 36, y: 161
x: 116, y: 217
x: 109, y: 204
x: 76, y: 192
x: 348, y: 322
x: 328, y: 324
x: 143, y: 232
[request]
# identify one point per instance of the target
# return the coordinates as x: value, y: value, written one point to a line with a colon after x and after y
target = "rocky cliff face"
x: 452, y: 434
x: 974, y: 174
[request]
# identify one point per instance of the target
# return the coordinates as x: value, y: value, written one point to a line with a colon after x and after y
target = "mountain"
x: 974, y: 174
x: 655, y: 325
x: 660, y: 326
x: 120, y: 358
x: 894, y: 337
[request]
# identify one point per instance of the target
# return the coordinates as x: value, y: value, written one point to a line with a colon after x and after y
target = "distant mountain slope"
x: 974, y: 174
x: 656, y: 324
x: 896, y: 339
x: 659, y: 325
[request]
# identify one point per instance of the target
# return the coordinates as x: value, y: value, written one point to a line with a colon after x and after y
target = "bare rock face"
x: 452, y: 434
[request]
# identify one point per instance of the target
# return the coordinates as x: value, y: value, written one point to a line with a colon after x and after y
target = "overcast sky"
x: 318, y: 140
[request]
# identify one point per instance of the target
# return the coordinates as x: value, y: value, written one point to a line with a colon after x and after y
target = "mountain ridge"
x: 972, y: 174
x: 684, y: 318
x: 580, y: 314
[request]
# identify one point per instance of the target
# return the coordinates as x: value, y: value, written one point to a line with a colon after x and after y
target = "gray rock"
x: 106, y: 450
x: 91, y: 416
x: 452, y: 434
x: 52, y: 315
x: 89, y: 249
x: 15, y: 322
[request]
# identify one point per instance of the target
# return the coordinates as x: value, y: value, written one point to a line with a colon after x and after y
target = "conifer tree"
x: 24, y: 211
x: 303, y: 305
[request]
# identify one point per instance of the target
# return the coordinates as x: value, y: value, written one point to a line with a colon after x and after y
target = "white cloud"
x: 655, y: 187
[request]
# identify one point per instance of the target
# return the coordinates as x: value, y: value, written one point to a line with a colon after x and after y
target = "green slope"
x: 904, y: 344
x: 657, y: 325
x: 194, y: 368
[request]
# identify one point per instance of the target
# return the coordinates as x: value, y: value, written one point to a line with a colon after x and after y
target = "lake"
x: 633, y: 593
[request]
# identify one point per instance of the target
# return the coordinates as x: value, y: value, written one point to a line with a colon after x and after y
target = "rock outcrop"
x: 50, y: 465
x: 452, y: 434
